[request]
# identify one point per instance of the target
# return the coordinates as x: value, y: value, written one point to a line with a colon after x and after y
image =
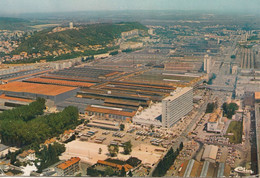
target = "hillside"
x: 81, y: 39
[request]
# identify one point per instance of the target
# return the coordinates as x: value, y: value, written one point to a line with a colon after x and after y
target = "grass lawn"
x: 235, y: 127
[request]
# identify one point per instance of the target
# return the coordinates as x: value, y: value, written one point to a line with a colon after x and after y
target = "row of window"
x: 104, y: 115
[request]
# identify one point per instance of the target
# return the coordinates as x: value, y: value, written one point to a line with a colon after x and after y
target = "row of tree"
x: 114, y: 149
x: 25, y: 113
x: 167, y: 161
x: 22, y: 131
x: 211, y: 107
x: 49, y: 155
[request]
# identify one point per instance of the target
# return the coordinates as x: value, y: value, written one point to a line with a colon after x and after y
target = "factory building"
x: 110, y: 112
x: 80, y: 103
x: 32, y: 91
x: 176, y: 106
x: 9, y: 102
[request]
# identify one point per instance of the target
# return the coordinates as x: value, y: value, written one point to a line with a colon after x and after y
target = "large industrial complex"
x: 177, y: 95
x: 109, y: 94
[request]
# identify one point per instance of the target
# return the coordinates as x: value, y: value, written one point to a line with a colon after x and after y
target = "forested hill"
x: 83, y: 38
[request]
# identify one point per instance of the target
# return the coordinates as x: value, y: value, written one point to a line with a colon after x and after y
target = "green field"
x: 235, y: 127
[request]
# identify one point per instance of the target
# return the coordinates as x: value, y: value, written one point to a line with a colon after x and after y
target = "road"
x: 186, y: 131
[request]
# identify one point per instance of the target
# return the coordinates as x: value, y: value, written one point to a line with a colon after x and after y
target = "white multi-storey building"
x: 71, y: 25
x: 207, y: 63
x: 177, y: 105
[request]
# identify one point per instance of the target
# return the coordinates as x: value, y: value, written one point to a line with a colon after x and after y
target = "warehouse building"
x: 32, y: 91
x: 110, y: 112
x: 177, y: 105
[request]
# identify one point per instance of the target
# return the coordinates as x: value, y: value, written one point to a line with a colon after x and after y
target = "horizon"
x: 20, y: 7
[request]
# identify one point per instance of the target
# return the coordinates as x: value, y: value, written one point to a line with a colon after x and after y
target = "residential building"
x: 210, y: 153
x: 69, y: 167
x: 177, y: 105
x: 116, y: 167
x: 214, y: 121
x: 27, y: 155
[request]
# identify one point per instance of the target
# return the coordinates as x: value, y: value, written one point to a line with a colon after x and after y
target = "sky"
x: 32, y: 6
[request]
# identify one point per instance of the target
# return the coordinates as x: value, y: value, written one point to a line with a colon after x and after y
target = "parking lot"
x: 147, y: 145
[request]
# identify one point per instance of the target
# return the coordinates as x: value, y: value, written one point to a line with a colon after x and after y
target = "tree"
x: 229, y: 109
x: 23, y: 126
x: 127, y: 148
x: 210, y: 107
x: 113, y: 150
x: 92, y: 172
x: 99, y: 150
x: 86, y: 122
x: 130, y: 174
x: 165, y: 163
x: 122, y: 127
x: 224, y: 107
x: 123, y: 173
x: 181, y: 146
x: 49, y: 155
x: 109, y: 172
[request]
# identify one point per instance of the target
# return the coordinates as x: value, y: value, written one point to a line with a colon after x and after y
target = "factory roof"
x: 257, y: 95
x: 105, y: 122
x: 60, y: 82
x: 24, y: 76
x: 110, y: 111
x: 117, y: 101
x: 111, y: 74
x: 68, y: 163
x: 177, y: 93
x: 3, y: 96
x: 43, y: 89
x: 210, y: 152
x: 60, y: 77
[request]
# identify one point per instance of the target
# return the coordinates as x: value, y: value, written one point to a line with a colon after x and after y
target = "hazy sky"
x: 28, y: 6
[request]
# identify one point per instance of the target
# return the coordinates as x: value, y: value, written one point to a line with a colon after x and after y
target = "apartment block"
x: 177, y: 105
